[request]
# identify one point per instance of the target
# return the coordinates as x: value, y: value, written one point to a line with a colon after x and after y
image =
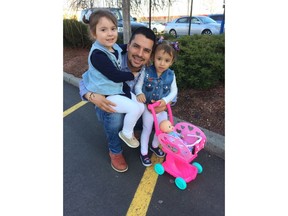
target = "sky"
x: 179, y: 7
x: 182, y: 7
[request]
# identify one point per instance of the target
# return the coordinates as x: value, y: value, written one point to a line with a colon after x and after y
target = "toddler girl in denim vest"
x: 158, y: 83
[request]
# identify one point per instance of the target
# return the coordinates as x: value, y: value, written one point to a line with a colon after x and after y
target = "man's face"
x: 139, y: 52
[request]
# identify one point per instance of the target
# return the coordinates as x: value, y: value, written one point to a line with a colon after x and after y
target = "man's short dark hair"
x: 147, y: 32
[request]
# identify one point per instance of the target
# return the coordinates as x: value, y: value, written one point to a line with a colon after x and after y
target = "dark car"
x: 118, y: 14
x: 217, y: 17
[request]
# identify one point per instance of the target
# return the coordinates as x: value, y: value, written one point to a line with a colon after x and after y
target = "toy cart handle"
x: 151, y: 107
x: 196, y: 142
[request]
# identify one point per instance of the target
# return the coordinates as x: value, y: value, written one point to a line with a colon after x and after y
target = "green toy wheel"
x: 198, y: 166
x: 180, y: 183
x: 159, y: 169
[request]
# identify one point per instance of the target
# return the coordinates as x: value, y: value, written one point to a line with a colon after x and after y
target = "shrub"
x: 169, y: 37
x: 200, y: 61
x: 75, y: 34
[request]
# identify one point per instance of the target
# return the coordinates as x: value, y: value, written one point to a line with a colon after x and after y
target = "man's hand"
x: 101, y: 102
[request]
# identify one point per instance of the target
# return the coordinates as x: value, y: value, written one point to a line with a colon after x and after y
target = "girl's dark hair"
x: 95, y: 17
x: 167, y: 47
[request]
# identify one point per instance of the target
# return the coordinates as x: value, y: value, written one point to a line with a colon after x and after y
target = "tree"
x: 126, y: 21
x: 80, y: 4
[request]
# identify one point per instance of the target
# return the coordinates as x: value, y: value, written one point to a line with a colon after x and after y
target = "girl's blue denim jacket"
x: 95, y: 81
x: 155, y: 87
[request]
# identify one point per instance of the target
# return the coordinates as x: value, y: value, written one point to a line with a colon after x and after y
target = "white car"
x: 156, y: 26
x: 199, y: 25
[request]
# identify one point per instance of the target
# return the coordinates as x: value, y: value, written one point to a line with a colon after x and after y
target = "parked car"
x: 155, y: 26
x: 217, y: 17
x: 199, y: 25
x: 118, y: 14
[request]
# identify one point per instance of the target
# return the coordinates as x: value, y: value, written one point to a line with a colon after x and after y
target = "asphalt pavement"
x: 92, y: 187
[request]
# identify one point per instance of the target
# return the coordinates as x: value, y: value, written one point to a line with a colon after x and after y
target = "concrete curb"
x: 215, y: 142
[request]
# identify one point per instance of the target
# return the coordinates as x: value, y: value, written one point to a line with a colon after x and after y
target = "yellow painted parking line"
x: 144, y: 192
x: 142, y: 197
x: 73, y: 108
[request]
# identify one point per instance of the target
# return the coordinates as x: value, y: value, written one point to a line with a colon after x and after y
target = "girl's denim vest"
x: 95, y: 81
x: 156, y: 88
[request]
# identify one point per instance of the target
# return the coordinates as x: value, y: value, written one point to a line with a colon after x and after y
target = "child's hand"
x: 161, y: 107
x: 141, y: 98
x: 162, y: 103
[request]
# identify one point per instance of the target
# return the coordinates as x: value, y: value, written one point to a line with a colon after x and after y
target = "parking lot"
x: 92, y: 187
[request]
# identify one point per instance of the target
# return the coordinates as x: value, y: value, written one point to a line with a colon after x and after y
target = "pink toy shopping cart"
x: 180, y: 152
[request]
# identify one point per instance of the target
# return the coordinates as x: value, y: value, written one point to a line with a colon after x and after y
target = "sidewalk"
x: 215, y: 142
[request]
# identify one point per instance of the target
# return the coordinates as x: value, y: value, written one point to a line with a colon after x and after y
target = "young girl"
x: 158, y: 83
x: 104, y: 75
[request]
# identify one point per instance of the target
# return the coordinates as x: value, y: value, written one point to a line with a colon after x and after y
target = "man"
x: 139, y: 50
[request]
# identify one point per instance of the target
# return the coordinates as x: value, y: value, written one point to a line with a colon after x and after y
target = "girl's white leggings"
x: 148, y: 122
x: 131, y: 107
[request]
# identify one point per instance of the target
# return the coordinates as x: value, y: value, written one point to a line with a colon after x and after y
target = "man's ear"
x: 127, y: 46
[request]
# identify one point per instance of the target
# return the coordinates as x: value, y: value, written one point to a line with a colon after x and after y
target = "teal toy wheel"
x: 180, y: 183
x: 198, y: 166
x: 159, y: 169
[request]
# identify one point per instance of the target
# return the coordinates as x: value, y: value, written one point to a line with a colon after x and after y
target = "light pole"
x: 190, y: 19
x: 223, y: 21
x: 168, y: 11
x: 150, y: 13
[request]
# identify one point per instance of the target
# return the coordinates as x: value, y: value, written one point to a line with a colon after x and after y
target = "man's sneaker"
x: 133, y: 142
x: 118, y: 162
x: 145, y: 160
x: 157, y: 151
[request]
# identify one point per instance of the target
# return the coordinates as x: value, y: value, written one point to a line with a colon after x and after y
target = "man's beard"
x: 132, y: 67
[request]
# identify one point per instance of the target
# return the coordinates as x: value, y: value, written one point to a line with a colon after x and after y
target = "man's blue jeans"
x: 112, y: 123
